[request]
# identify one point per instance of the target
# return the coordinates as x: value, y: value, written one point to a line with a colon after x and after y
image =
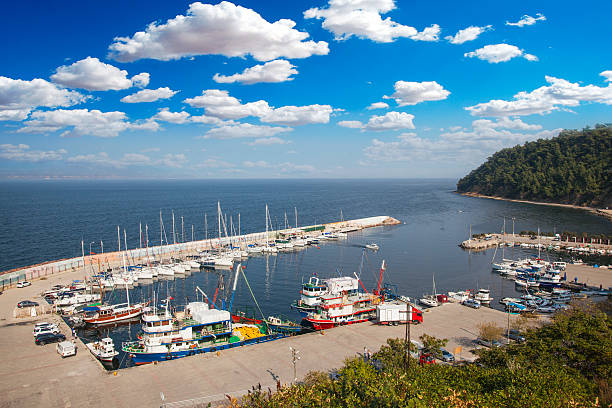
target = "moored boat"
x: 103, y: 350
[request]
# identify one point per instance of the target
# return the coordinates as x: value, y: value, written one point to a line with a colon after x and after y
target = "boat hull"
x: 139, y: 358
x: 323, y: 324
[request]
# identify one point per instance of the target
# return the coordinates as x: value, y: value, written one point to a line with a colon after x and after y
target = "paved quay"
x: 592, y: 277
x: 36, y: 376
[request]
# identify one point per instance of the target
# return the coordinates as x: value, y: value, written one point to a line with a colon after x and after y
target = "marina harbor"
x: 171, y: 347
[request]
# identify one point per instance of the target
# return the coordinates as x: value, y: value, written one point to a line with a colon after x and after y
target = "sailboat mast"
x: 127, y: 292
x: 83, y: 255
x: 239, y: 232
x: 173, y: 234
x: 219, y: 219
x: 266, y: 225
x: 182, y: 230
x: 205, y: 227
x: 118, y: 239
x: 295, y: 208
x: 140, y: 233
x: 538, y: 242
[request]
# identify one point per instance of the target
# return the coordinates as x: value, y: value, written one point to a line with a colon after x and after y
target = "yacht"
x: 483, y: 296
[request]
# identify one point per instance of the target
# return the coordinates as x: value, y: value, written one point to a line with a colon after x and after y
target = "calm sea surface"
x: 46, y: 220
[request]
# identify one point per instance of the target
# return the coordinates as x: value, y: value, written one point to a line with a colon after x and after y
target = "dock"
x: 35, y: 376
x: 578, y: 247
x: 44, y: 270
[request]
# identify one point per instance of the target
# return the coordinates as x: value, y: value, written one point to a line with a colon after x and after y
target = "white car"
x: 23, y: 284
x: 45, y: 329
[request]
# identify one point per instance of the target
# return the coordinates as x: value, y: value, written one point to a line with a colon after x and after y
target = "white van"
x: 66, y: 349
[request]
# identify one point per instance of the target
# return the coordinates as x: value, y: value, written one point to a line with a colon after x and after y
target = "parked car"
x: 51, y: 328
x: 487, y: 343
x: 23, y: 284
x: 515, y: 335
x: 26, y: 303
x: 447, y: 356
x: 472, y: 303
x: 45, y: 338
x: 426, y: 359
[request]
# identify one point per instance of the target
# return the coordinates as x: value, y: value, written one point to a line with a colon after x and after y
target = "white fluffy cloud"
x: 94, y: 75
x: 273, y: 71
x: 495, y: 53
x: 557, y: 94
x: 149, y: 95
x: 81, y: 122
x: 527, y: 20
x: 607, y: 75
x: 411, y: 93
x: 224, y: 29
x: 128, y: 159
x: 164, y: 115
x: 298, y: 115
x: 352, y: 124
x: 141, y: 80
x: 286, y: 167
x: 467, y: 34
x: 389, y: 121
x: 267, y: 141
x: 466, y: 147
x: 430, y: 33
x: 220, y: 104
x: 244, y: 130
x: 378, y: 105
x: 362, y: 18
x: 19, y: 97
x: 22, y: 152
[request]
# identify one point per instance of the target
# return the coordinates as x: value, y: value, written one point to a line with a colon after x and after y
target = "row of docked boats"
x: 539, y: 301
x: 531, y: 273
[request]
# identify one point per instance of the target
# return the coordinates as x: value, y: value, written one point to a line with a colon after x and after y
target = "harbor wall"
x: 156, y: 253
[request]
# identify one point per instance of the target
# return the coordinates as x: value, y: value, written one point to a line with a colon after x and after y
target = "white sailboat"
x: 430, y: 300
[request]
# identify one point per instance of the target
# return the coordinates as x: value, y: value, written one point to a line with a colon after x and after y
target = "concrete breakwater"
x: 574, y: 245
x: 179, y: 250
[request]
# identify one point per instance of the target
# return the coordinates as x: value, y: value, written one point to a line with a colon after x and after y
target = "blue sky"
x: 341, y: 88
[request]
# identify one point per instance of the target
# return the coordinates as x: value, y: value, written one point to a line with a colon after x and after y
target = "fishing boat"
x: 103, y: 350
x: 341, y: 307
x: 373, y: 246
x: 196, y: 330
x: 311, y: 293
x: 283, y: 326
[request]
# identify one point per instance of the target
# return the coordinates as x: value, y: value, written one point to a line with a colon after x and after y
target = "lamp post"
x: 295, y: 358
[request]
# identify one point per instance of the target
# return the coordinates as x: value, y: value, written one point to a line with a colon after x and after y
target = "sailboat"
x: 268, y: 247
x: 430, y: 300
x: 104, y: 314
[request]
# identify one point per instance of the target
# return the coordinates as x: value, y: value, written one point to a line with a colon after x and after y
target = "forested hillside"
x: 572, y: 168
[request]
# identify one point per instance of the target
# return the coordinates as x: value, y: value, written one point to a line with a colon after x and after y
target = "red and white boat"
x: 106, y: 314
x: 336, y: 310
x: 345, y: 307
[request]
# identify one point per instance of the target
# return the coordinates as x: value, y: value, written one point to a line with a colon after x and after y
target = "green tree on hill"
x: 572, y: 168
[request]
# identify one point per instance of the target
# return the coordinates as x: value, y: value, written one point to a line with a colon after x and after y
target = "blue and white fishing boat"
x: 196, y: 330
